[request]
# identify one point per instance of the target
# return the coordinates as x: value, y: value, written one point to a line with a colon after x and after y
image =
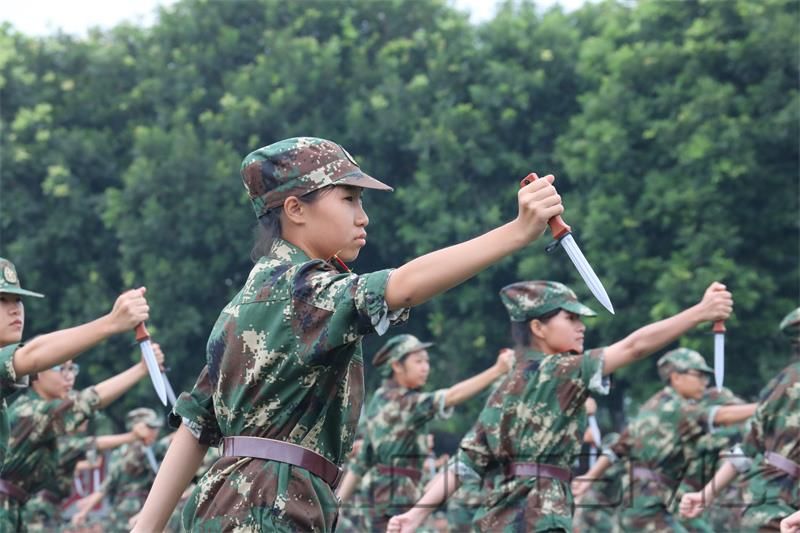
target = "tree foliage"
x: 672, y: 129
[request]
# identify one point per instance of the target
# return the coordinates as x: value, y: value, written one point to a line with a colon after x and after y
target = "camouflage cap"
x: 790, y: 325
x: 681, y: 360
x: 395, y: 348
x: 297, y: 166
x: 9, y: 281
x: 526, y: 300
x: 143, y: 414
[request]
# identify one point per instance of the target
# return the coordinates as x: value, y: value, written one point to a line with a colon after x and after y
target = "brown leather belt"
x: 392, y: 471
x: 783, y: 463
x: 283, y: 452
x: 645, y: 474
x: 540, y: 470
x: 48, y: 496
x: 6, y: 487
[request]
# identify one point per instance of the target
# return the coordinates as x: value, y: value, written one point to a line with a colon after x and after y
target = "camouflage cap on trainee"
x: 9, y: 281
x: 681, y: 360
x: 143, y: 414
x: 526, y: 300
x: 297, y: 166
x: 394, y: 349
x: 790, y: 325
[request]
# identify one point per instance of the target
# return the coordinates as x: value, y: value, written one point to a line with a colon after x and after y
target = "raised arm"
x: 733, y: 414
x: 464, y: 390
x: 424, y: 277
x: 52, y: 349
x: 184, y: 457
x: 717, y: 304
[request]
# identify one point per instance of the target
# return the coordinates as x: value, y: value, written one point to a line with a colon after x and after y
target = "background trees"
x: 672, y: 129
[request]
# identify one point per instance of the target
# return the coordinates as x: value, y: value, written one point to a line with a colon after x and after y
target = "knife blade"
x: 563, y: 234
x: 143, y: 338
x: 170, y: 391
x: 151, y: 458
x: 593, y: 451
x: 719, y: 352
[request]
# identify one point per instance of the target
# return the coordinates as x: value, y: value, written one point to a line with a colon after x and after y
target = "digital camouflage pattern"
x: 681, y: 360
x: 284, y: 362
x: 770, y: 493
x: 526, y: 300
x: 32, y: 460
x: 660, y: 439
x: 536, y: 415
x: 40, y: 514
x: 127, y: 483
x: 143, y: 414
x: 396, y: 435
x: 297, y: 166
x: 395, y: 349
x: 703, y: 460
x: 598, y: 511
x: 9, y: 384
x: 9, y: 280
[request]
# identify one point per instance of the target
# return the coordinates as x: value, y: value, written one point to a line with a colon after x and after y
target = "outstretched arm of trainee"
x: 424, y: 277
x: 464, y: 390
x: 717, y: 304
x: 47, y: 351
x: 184, y: 456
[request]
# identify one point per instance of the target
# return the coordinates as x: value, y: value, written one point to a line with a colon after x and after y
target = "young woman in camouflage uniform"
x: 769, y: 458
x: 48, y: 409
x: 531, y: 429
x: 397, y: 417
x: 664, y: 440
x: 18, y: 360
x: 283, y: 384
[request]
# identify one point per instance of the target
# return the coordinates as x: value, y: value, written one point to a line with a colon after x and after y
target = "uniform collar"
x: 287, y: 252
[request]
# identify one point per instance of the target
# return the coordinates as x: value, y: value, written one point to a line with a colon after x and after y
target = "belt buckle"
x: 339, y: 476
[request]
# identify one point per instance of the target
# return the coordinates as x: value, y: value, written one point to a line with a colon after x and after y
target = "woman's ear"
x: 294, y: 210
x: 397, y: 367
x: 537, y: 328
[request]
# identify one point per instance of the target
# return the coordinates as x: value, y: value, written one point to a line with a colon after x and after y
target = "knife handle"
x: 558, y: 227
x: 719, y: 326
x: 141, y: 333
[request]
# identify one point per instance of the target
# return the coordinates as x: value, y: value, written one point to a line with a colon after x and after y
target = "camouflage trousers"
x: 530, y: 504
x: 245, y: 494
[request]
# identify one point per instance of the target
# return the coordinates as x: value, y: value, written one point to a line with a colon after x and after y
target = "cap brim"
x: 418, y: 347
x: 578, y: 308
x: 21, y: 292
x: 359, y: 179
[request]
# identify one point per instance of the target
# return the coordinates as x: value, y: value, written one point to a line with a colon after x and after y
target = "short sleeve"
x: 331, y: 309
x: 196, y: 410
x: 364, y: 459
x: 8, y: 376
x: 427, y: 406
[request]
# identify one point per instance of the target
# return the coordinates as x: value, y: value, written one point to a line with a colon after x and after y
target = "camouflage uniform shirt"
x: 284, y: 362
x: 770, y: 492
x: 660, y: 439
x: 536, y: 415
x: 33, y: 458
x: 396, y: 436
x: 8, y: 386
